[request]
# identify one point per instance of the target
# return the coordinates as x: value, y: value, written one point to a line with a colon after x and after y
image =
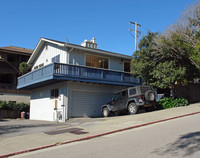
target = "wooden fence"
x: 190, y: 92
x: 9, y: 114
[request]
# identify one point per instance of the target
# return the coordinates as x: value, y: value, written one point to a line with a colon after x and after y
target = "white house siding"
x: 116, y: 64
x: 86, y: 99
x: 77, y: 57
x: 49, y: 51
x: 41, y: 105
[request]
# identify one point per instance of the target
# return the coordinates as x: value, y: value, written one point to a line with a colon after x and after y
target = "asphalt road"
x: 174, y: 138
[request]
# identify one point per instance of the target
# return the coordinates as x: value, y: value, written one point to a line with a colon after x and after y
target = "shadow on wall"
x: 186, y: 145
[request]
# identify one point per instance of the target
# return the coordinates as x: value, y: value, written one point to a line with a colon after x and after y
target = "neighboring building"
x: 69, y: 80
x: 10, y: 58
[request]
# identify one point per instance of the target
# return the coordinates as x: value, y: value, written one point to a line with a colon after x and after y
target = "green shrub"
x: 14, y: 106
x: 171, y: 103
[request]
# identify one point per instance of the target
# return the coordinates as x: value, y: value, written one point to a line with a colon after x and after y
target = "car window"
x: 144, y: 89
x: 132, y: 91
x: 116, y: 96
x: 124, y: 93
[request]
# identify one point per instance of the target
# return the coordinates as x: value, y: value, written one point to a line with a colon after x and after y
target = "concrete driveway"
x: 19, y: 127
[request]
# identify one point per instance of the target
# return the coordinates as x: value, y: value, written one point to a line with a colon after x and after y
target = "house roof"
x: 17, y: 50
x: 64, y: 44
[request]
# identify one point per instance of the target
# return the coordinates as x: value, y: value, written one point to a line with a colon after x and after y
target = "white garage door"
x: 88, y: 103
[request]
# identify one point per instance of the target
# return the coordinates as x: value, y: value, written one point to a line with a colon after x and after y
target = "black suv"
x: 131, y: 99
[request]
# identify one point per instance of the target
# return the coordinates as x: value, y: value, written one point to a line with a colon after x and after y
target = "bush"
x: 171, y: 103
x: 24, y: 68
x: 14, y: 106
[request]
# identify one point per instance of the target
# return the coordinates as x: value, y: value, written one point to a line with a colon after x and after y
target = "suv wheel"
x: 132, y: 108
x: 149, y: 95
x: 106, y: 112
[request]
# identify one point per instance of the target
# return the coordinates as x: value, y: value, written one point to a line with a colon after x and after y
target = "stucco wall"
x: 15, y: 97
x: 42, y: 106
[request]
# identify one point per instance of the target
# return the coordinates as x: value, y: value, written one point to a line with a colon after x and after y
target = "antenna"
x: 67, y: 40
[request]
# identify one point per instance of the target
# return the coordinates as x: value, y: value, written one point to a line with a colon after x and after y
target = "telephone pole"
x: 136, y: 32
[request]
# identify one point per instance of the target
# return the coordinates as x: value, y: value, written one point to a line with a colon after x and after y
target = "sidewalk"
x: 90, y: 129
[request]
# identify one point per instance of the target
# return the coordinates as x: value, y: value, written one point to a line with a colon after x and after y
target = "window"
x: 41, y: 65
x: 54, y: 93
x: 116, y: 96
x: 96, y: 61
x: 132, y: 91
x: 144, y: 89
x: 126, y: 67
x: 124, y: 93
x: 56, y: 59
x: 36, y: 67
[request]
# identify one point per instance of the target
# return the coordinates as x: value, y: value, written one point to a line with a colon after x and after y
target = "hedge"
x: 9, y: 105
x: 171, y: 102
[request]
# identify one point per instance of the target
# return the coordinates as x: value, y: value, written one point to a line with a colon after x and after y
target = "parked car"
x: 131, y: 99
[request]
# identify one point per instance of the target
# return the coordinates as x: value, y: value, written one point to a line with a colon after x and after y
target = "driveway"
x: 18, y: 127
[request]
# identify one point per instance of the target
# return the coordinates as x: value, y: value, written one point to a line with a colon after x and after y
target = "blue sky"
x: 23, y: 22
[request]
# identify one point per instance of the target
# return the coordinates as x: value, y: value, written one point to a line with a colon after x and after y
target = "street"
x: 174, y: 138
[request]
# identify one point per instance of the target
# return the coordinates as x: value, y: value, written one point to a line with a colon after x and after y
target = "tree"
x: 182, y: 39
x: 173, y: 56
x: 24, y: 68
x: 157, y: 70
x: 143, y: 62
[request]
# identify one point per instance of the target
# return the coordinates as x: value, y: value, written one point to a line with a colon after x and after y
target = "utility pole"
x: 136, y: 32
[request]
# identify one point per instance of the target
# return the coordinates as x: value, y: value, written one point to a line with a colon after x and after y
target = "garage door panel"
x: 88, y: 103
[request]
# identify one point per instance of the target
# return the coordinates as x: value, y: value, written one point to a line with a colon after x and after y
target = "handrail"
x: 76, y: 71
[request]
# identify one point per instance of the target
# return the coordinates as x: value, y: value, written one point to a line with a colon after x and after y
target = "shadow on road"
x: 186, y: 145
x: 11, y: 127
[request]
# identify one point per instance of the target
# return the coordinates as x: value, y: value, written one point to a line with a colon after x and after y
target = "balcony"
x: 56, y: 72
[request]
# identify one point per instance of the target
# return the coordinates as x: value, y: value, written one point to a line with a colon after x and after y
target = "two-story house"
x: 10, y: 58
x: 69, y: 80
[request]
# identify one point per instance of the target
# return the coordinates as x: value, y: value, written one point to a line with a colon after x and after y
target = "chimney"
x: 89, y: 44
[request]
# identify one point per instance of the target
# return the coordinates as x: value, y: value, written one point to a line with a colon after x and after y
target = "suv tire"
x: 149, y: 95
x: 132, y: 108
x: 106, y: 112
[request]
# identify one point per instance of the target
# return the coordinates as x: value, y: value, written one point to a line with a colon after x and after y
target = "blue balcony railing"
x: 58, y: 71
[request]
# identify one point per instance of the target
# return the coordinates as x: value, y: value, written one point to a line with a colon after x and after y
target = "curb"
x: 95, y: 136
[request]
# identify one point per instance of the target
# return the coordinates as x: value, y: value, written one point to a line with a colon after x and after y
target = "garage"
x: 88, y: 104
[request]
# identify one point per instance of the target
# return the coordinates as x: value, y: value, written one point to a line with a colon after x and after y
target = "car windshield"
x: 116, y: 96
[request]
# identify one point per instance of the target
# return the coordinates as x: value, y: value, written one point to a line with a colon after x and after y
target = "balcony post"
x: 53, y: 69
x: 102, y: 74
x: 122, y: 76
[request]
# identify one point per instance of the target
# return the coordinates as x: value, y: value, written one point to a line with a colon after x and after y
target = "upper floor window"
x: 96, y: 61
x: 56, y: 59
x: 126, y: 67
